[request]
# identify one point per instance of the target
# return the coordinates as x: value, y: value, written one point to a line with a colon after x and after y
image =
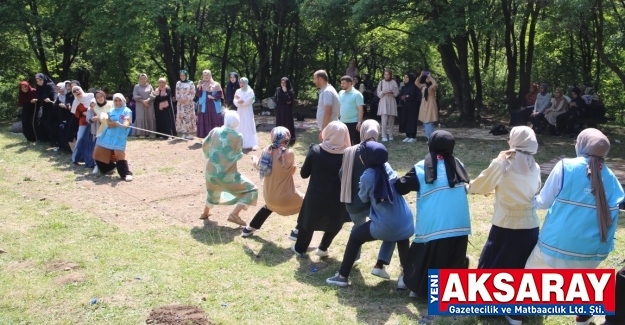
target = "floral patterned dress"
x: 185, y: 119
x: 224, y: 184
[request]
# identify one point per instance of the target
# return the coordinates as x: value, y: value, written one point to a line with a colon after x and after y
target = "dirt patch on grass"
x: 179, y: 314
x: 70, y: 279
x: 20, y: 266
x: 55, y: 266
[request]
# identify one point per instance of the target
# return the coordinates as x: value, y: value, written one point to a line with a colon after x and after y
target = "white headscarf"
x: 523, y: 147
x: 61, y: 94
x: 120, y: 96
x: 85, y: 100
x: 231, y: 119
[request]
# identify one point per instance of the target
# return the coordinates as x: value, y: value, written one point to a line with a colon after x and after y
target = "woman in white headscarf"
x: 84, y: 142
x: 583, y: 195
x: 244, y: 100
x: 224, y: 184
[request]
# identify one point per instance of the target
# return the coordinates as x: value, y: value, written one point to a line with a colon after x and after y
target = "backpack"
x: 498, y: 130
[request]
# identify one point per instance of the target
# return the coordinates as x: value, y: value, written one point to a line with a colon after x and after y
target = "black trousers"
x: 566, y: 122
x: 121, y: 165
x: 260, y: 217
x: 304, y: 237
x: 354, y: 135
x: 360, y: 236
x: 538, y: 121
x: 619, y: 316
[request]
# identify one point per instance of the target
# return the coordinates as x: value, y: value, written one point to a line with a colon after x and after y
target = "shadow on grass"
x: 213, y: 234
x: 270, y: 254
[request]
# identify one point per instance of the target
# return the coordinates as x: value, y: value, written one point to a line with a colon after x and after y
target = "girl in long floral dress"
x: 185, y: 119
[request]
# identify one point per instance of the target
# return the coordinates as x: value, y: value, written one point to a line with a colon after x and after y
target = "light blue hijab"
x: 246, y: 82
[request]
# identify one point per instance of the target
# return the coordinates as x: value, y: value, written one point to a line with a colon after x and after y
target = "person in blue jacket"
x: 583, y: 197
x: 390, y: 215
x: 443, y: 225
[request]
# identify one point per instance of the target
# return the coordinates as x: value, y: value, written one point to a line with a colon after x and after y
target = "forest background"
x: 482, y: 52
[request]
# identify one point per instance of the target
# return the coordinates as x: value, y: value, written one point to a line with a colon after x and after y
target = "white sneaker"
x: 254, y: 148
x: 405, y: 140
x: 357, y: 262
x: 412, y: 140
x: 128, y: 178
x: 95, y: 170
x: 384, y: 139
x: 321, y: 253
x: 412, y: 295
x: 400, y: 283
x: 297, y: 253
x: 390, y: 138
x: 380, y: 273
x: 513, y: 321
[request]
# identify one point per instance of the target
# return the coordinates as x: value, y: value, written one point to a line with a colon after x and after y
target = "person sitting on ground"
x: 543, y: 101
x: 565, y: 122
x: 223, y: 148
x: 559, y: 105
x: 390, y: 216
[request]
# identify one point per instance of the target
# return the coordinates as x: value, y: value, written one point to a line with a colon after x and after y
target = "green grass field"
x: 60, y: 253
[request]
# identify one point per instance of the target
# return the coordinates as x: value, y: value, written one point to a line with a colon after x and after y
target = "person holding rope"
x: 223, y: 148
x: 276, y: 167
x: 110, y: 149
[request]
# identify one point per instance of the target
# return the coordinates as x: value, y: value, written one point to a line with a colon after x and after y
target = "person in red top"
x: 83, y: 151
x: 26, y: 100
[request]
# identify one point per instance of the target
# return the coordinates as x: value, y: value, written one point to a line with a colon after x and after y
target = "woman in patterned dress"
x: 223, y: 147
x: 185, y: 119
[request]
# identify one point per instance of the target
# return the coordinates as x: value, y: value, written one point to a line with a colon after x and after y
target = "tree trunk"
x: 477, y: 75
x: 511, y: 49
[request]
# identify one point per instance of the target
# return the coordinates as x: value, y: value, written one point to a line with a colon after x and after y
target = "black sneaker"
x: 293, y: 235
x: 247, y: 232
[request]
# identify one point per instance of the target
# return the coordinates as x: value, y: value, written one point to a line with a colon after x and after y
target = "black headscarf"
x: 427, y: 86
x: 284, y: 97
x: 442, y: 143
x: 410, y: 89
x: 232, y: 87
x: 47, y: 90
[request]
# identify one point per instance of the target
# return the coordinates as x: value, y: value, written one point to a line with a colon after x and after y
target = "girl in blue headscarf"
x: 244, y: 99
x: 231, y: 88
x: 391, y: 217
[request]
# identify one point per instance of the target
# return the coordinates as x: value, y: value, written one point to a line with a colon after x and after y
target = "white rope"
x: 167, y: 135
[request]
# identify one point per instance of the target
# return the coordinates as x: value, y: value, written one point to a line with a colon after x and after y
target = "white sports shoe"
x: 400, y: 283
x: 384, y: 139
x: 128, y: 178
x: 380, y: 273
x: 391, y: 138
x: 412, y: 140
x: 321, y: 253
x: 95, y: 170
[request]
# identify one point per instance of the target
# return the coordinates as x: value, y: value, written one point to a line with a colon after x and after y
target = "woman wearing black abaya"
x: 164, y: 110
x: 27, y: 99
x: 284, y: 106
x: 410, y: 97
x: 46, y: 95
x: 231, y: 88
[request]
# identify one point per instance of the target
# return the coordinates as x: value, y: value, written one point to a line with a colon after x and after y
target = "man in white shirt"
x: 352, y: 112
x: 329, y: 106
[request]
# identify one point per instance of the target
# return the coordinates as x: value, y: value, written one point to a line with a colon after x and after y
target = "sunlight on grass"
x: 234, y: 280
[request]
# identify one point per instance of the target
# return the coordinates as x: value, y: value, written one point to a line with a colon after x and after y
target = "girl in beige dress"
x: 387, y: 92
x: 276, y: 167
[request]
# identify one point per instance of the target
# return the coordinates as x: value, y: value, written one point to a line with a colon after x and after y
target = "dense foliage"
x: 483, y: 52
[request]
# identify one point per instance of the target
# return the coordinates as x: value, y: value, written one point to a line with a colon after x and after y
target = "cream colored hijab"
x: 369, y: 131
x: 520, y: 157
x: 335, y: 138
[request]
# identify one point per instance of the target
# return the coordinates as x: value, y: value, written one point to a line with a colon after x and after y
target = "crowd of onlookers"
x: 561, y: 114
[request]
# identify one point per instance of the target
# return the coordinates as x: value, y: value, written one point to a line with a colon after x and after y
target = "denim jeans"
x: 429, y: 128
x: 386, y: 249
